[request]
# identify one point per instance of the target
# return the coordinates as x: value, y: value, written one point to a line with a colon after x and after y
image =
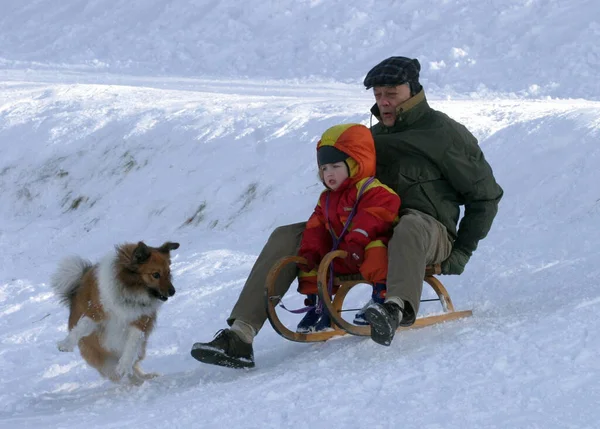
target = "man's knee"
x: 288, y: 232
x: 410, y: 226
x: 287, y: 235
x: 292, y: 229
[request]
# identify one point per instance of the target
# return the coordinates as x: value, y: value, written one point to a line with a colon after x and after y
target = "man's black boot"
x: 384, y: 320
x: 226, y: 349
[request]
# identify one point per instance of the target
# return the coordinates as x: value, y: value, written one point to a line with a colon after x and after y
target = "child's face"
x: 334, y: 174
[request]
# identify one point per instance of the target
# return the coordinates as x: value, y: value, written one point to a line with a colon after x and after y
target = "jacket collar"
x: 407, y: 113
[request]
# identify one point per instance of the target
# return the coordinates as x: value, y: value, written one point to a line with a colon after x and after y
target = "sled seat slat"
x: 430, y: 270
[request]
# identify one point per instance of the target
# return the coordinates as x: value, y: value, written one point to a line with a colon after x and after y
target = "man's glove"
x: 355, y: 257
x: 455, y: 264
x: 312, y: 262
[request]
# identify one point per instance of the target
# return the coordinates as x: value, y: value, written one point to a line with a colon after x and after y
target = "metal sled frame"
x: 334, y: 308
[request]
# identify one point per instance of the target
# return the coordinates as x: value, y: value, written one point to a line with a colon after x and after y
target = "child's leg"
x: 316, y: 319
x: 307, y: 282
x: 379, y: 291
x: 374, y: 270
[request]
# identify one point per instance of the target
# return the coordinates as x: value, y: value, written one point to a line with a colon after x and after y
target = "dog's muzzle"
x: 156, y: 293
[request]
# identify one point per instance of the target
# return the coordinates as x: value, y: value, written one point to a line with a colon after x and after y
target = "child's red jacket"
x: 377, y: 209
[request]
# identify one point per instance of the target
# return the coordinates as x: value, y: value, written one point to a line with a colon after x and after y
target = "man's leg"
x: 418, y: 240
x: 233, y: 347
x: 250, y: 306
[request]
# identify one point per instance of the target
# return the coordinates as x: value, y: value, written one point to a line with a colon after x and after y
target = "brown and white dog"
x: 113, y: 306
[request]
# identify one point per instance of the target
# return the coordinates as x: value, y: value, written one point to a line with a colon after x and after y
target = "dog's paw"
x: 123, y: 370
x: 112, y: 376
x: 65, y: 346
x: 150, y: 375
x: 134, y: 380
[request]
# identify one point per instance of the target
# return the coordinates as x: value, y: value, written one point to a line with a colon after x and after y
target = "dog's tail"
x: 67, y: 278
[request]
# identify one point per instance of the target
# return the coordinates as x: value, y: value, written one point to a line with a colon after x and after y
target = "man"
x: 435, y: 165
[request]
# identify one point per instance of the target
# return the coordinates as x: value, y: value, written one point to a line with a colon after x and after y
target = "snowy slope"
x: 147, y: 143
x: 529, y: 48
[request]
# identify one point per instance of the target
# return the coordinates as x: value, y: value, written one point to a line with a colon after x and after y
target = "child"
x: 356, y: 210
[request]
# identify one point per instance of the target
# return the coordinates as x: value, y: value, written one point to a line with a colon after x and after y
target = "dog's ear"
x: 141, y: 253
x: 168, y: 246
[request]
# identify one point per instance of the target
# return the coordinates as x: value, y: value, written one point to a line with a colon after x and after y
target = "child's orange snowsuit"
x: 375, y: 214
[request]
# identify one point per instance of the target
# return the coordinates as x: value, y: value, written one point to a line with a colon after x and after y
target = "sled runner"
x: 335, y: 307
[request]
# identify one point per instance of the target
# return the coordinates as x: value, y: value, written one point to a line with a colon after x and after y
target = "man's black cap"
x: 395, y: 71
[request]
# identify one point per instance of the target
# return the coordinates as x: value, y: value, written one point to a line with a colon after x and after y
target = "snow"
x: 196, y: 122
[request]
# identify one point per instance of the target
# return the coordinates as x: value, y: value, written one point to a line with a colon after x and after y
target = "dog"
x: 113, y: 306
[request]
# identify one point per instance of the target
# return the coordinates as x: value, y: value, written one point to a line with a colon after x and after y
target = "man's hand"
x: 312, y: 262
x: 356, y: 256
x: 455, y: 264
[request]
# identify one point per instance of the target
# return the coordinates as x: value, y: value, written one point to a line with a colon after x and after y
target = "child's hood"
x: 356, y: 141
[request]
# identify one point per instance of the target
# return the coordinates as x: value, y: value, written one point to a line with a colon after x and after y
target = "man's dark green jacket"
x: 435, y: 164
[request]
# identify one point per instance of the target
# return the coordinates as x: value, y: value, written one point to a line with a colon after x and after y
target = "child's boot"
x: 378, y: 297
x: 313, y: 320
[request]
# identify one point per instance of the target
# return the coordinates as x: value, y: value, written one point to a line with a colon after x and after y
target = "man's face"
x: 388, y: 98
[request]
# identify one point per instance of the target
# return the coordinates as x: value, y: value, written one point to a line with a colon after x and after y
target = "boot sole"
x: 214, y: 356
x: 382, y: 331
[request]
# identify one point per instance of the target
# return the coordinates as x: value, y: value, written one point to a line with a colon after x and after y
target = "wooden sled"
x: 334, y: 308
